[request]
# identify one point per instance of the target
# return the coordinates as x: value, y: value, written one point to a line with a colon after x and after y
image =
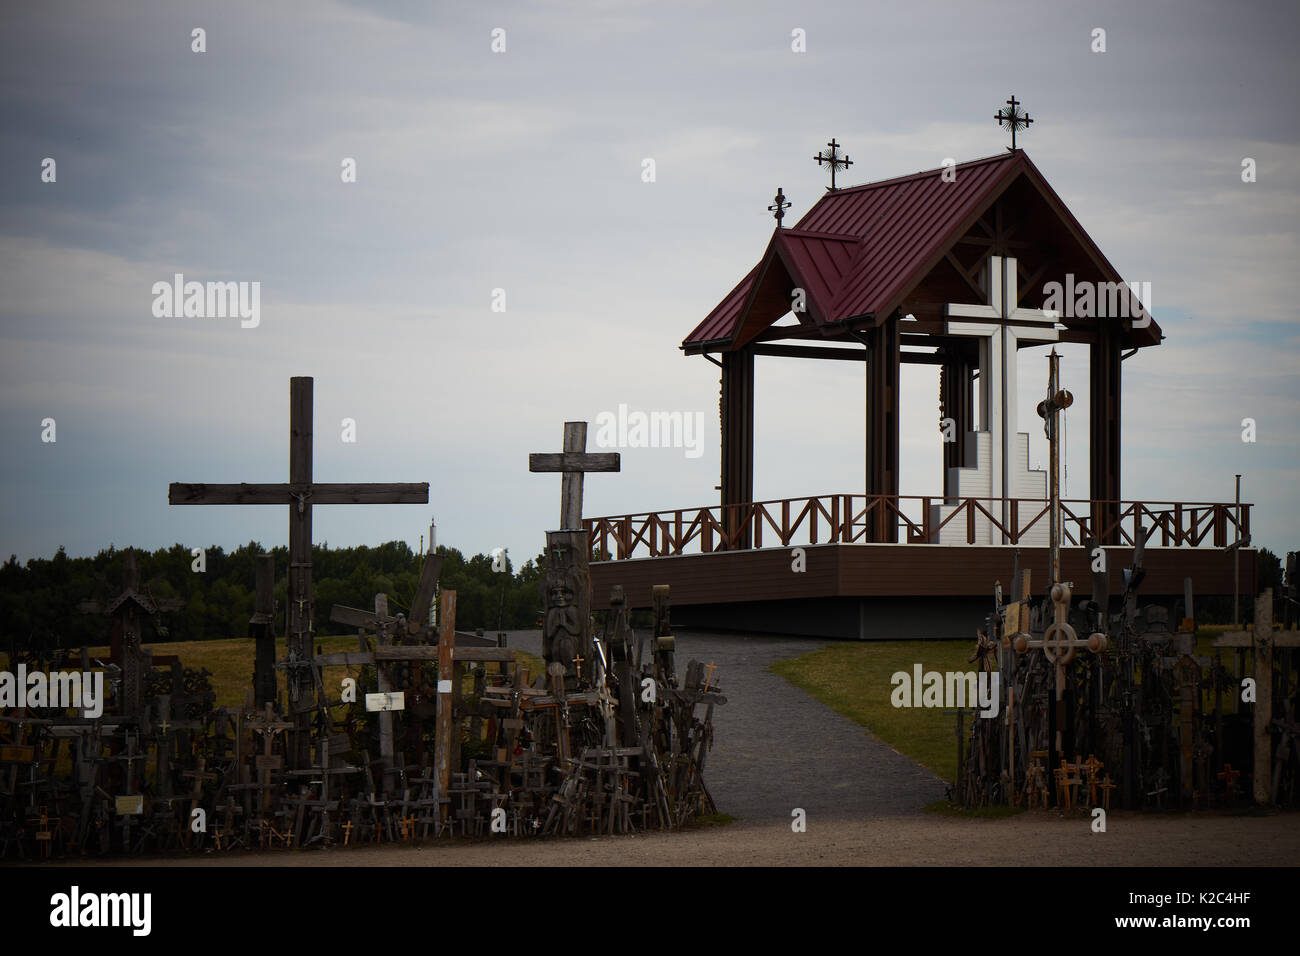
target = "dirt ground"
x: 1032, y: 838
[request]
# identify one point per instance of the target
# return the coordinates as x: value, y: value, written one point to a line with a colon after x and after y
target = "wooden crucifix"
x: 128, y: 611
x: 1262, y: 638
x: 300, y: 493
x: 567, y: 622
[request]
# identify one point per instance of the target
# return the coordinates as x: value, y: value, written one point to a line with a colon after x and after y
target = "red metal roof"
x: 859, y: 251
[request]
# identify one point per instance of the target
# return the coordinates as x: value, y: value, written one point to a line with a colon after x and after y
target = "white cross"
x: 998, y: 406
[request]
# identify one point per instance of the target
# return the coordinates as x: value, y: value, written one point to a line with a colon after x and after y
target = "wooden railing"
x: 849, y: 519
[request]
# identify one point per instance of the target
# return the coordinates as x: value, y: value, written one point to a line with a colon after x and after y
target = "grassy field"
x: 853, y: 679
x: 231, y: 663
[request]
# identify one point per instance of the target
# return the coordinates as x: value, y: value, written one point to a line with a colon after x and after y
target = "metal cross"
x: 778, y: 207
x: 1014, y: 118
x: 834, y: 160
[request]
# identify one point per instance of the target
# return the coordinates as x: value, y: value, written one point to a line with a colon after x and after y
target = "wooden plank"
x: 574, y: 461
x: 352, y: 659
x: 425, y: 589
x: 415, y: 652
x: 323, y: 493
x: 500, y: 654
x: 354, y: 617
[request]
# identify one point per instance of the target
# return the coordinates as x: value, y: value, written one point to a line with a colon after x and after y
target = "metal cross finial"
x: 1014, y: 118
x: 835, y: 161
x: 778, y: 207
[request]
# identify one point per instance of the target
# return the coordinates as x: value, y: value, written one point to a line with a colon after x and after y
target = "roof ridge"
x: 862, y: 187
x: 821, y: 234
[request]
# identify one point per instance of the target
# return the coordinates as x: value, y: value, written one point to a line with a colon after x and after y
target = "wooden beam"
x: 811, y: 352
x: 882, y: 424
x: 476, y: 654
x: 920, y: 358
x: 737, y: 478
x: 324, y: 493
x: 970, y: 280
x: 574, y: 461
x: 445, y: 722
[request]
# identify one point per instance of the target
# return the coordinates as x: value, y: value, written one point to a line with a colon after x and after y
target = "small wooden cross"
x: 1229, y: 776
x: 1092, y: 765
x: 577, y: 662
x: 573, y: 463
x: 1106, y: 787
x: 710, y: 667
x: 347, y: 832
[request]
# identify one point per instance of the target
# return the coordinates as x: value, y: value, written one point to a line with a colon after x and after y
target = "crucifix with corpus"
x: 1000, y: 325
x: 300, y: 494
x: 566, y: 635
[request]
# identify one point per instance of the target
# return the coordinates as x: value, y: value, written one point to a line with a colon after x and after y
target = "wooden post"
x: 262, y: 629
x: 1104, y: 367
x: 445, y: 725
x: 737, y: 407
x: 1262, y: 639
x: 882, y: 428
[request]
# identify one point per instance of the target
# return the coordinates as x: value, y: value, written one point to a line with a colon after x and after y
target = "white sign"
x: 392, y: 700
x: 132, y: 805
x: 444, y: 687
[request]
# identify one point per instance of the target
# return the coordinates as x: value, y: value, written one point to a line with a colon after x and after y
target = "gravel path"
x: 776, y: 748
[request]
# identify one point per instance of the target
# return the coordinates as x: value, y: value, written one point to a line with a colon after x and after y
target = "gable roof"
x: 859, y: 251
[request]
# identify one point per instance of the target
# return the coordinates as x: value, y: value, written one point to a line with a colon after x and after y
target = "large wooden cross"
x: 573, y: 463
x: 300, y: 493
x: 1000, y: 326
x: 566, y: 620
x: 1262, y: 638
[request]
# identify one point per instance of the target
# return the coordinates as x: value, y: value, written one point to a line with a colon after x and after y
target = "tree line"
x: 39, y: 600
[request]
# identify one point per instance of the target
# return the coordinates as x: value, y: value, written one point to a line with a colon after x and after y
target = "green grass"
x: 231, y: 663
x: 853, y: 680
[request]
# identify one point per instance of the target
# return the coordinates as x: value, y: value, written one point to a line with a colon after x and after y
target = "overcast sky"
x: 522, y: 170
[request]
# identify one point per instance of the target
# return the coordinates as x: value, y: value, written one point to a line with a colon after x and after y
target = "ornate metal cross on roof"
x: 835, y: 161
x: 1014, y: 118
x: 778, y: 207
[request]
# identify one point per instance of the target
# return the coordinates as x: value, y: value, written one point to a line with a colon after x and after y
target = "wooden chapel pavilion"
x: 949, y: 267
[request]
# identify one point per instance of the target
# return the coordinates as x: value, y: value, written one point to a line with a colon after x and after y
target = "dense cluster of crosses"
x: 457, y: 736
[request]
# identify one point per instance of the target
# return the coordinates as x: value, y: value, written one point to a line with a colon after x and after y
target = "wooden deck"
x: 873, y: 590
x: 852, y: 586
